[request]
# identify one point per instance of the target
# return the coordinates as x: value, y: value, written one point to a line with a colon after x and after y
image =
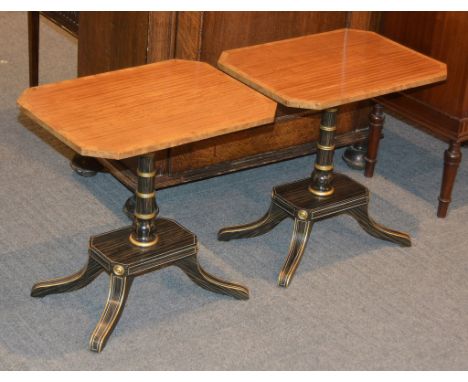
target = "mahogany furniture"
x: 441, y: 109
x: 321, y: 72
x: 134, y: 112
x: 66, y: 20
x: 114, y: 40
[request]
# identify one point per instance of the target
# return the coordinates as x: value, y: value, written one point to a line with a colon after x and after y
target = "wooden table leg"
x: 119, y: 287
x: 452, y: 159
x: 266, y: 223
x: 361, y: 215
x: 376, y: 121
x: 68, y: 283
x: 301, y: 232
x: 192, y: 268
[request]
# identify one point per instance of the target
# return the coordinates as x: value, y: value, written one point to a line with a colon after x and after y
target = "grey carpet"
x: 355, y: 303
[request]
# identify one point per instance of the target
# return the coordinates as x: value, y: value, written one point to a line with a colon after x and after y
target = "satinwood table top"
x: 330, y: 69
x: 138, y: 110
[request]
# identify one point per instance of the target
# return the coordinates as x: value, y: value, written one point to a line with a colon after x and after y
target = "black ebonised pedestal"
x: 325, y: 194
x: 150, y: 244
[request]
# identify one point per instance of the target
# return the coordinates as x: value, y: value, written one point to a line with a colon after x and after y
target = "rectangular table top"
x: 329, y: 69
x: 142, y: 109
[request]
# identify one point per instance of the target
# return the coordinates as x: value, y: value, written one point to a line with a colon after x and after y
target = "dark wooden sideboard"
x: 113, y: 40
x: 441, y: 109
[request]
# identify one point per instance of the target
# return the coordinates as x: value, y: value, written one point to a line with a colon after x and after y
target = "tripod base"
x: 113, y: 253
x: 296, y: 201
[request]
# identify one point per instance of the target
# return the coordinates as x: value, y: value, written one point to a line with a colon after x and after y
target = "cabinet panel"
x: 227, y: 30
x: 111, y: 40
x: 440, y: 109
x: 441, y: 35
x: 287, y: 131
x: 161, y: 35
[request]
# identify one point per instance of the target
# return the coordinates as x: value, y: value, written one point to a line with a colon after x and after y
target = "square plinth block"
x: 114, y: 251
x: 296, y: 199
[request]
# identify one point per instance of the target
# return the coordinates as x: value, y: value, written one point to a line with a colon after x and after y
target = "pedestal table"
x: 133, y: 112
x: 322, y: 72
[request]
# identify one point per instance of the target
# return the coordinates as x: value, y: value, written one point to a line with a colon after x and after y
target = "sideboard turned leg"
x: 452, y: 159
x: 376, y: 121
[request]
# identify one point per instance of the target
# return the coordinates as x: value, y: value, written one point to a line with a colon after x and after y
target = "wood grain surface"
x: 330, y: 69
x: 111, y: 40
x: 134, y: 111
x: 441, y: 35
x: 229, y: 30
x: 204, y: 35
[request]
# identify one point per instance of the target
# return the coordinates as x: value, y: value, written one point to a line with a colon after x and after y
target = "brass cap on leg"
x: 118, y: 270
